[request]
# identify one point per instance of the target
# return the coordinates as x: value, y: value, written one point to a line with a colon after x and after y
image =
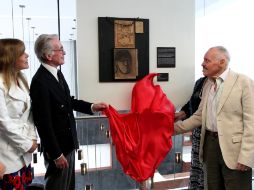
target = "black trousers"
x: 62, y: 179
x: 219, y: 176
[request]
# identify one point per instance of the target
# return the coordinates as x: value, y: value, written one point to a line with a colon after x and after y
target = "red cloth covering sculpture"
x: 142, y: 137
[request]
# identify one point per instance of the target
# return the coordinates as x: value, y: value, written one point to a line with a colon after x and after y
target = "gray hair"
x: 223, y: 52
x: 43, y: 46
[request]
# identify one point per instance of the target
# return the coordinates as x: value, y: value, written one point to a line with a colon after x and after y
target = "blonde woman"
x: 17, y: 131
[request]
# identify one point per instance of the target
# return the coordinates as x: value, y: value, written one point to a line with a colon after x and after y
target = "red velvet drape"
x: 142, y: 138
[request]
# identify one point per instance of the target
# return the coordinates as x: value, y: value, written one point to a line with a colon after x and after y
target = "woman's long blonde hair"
x: 10, y: 50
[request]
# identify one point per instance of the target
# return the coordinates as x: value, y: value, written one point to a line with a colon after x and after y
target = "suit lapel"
x: 227, y: 88
x: 51, y: 81
x: 204, y: 101
x: 19, y: 93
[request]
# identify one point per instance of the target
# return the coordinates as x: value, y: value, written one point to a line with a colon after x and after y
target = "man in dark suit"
x: 52, y: 108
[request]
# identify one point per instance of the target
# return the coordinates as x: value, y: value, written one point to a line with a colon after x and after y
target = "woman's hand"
x: 180, y: 116
x: 2, y: 170
x: 34, y: 146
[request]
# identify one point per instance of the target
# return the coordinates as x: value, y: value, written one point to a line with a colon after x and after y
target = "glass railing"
x: 97, y: 166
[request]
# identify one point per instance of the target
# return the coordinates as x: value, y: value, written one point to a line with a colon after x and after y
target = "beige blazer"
x: 235, y: 120
x: 16, y: 126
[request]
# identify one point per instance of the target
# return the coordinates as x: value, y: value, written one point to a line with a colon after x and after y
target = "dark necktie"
x: 60, y: 78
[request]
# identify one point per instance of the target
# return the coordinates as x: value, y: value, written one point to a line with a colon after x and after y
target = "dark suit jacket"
x: 192, y: 105
x: 52, y: 108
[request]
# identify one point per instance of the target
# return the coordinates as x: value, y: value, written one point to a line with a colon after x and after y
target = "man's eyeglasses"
x: 61, y: 49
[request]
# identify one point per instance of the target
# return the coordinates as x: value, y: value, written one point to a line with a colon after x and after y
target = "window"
x: 226, y: 23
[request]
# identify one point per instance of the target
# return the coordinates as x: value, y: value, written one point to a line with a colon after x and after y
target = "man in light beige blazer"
x: 226, y: 113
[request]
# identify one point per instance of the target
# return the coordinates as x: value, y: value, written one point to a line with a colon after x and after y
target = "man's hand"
x: 61, y: 162
x: 99, y: 107
x: 34, y: 146
x: 242, y: 167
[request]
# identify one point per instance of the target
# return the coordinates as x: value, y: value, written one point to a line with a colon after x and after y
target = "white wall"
x: 171, y: 24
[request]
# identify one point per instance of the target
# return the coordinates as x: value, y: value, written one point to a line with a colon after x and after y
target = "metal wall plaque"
x: 165, y: 57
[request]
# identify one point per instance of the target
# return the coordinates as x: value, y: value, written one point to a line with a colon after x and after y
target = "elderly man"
x: 226, y: 113
x: 53, y: 107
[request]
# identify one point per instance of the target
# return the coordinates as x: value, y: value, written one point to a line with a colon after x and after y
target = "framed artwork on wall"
x: 125, y: 63
x: 123, y: 49
x: 124, y: 32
